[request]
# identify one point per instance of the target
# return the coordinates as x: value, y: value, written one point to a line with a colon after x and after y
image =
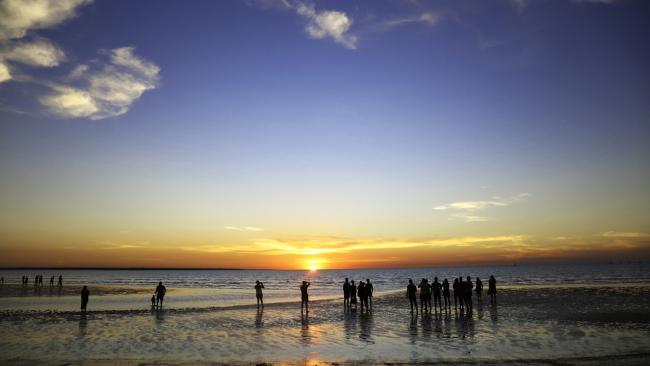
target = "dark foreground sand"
x: 549, y: 325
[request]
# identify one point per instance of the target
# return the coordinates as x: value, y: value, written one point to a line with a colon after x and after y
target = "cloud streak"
x: 465, y: 210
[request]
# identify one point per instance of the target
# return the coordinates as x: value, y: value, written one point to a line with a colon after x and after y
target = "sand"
x: 528, y: 326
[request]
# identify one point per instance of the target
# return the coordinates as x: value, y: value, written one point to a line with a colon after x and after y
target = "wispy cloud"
x: 465, y: 210
x: 243, y: 228
x: 322, y: 24
x: 427, y: 18
x: 624, y: 234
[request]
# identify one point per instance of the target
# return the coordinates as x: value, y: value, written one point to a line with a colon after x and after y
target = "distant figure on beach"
x: 160, y: 294
x: 84, y: 298
x: 479, y: 290
x: 346, y: 293
x: 52, y: 281
x: 492, y: 289
x: 468, y: 294
x: 369, y: 289
x: 304, y: 296
x: 60, y: 281
x: 153, y: 301
x: 411, y: 292
x: 425, y: 295
x: 258, y: 293
x: 446, y: 294
x: 437, y: 294
x: 455, y: 287
x: 35, y: 280
x: 353, y: 295
x: 2, y: 280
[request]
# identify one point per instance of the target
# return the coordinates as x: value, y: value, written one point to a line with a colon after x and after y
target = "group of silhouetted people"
x: 38, y: 280
x: 363, y: 290
x: 440, y: 292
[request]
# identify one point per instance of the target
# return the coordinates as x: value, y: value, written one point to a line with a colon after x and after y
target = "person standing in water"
x: 437, y: 292
x: 52, y: 281
x: 369, y: 289
x: 60, y: 281
x: 84, y: 298
x: 446, y: 294
x: 479, y: 289
x: 468, y: 294
x: 353, y: 295
x: 258, y: 293
x: 160, y: 294
x: 425, y: 295
x: 363, y: 295
x: 411, y: 293
x: 346, y: 293
x: 492, y: 289
x: 304, y: 296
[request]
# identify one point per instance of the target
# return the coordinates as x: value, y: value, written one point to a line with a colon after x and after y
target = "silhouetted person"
x: 445, y: 293
x: 2, y: 281
x: 425, y: 295
x: 437, y: 294
x: 468, y: 294
x: 479, y: 289
x: 411, y: 294
x: 369, y: 289
x: 363, y: 296
x: 84, y: 298
x: 153, y: 301
x: 304, y: 296
x: 492, y: 289
x: 258, y: 293
x: 460, y: 290
x: 40, y: 280
x: 35, y: 280
x: 60, y: 280
x: 455, y: 287
x: 52, y: 281
x: 353, y: 294
x: 160, y: 294
x: 346, y: 293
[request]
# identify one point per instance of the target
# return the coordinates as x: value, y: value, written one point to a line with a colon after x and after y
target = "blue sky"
x: 214, y: 125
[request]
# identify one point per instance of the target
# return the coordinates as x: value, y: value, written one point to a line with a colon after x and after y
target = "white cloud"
x: 465, y: 210
x: 427, y: 18
x: 17, y: 17
x: 38, y: 53
x: 108, y: 91
x: 243, y: 228
x: 4, y: 72
x: 78, y: 72
x: 327, y: 23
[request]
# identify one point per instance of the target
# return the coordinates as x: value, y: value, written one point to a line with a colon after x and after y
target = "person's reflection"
x: 83, y: 325
x: 365, y: 323
x: 413, y: 328
x: 159, y: 316
x: 465, y: 327
x: 480, y: 310
x: 305, y: 336
x: 426, y: 325
x: 259, y: 322
x: 349, y: 324
x: 437, y: 325
x: 494, y: 315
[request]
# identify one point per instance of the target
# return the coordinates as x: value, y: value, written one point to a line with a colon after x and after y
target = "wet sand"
x: 529, y: 326
x: 15, y: 290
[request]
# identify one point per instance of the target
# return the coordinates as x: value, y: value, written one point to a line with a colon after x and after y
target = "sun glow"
x: 313, y: 268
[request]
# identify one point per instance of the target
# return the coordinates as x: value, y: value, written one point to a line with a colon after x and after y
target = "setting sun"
x: 313, y: 268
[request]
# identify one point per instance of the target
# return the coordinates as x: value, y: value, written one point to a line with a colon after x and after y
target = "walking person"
x: 492, y: 289
x: 304, y: 296
x: 446, y: 294
x: 411, y: 294
x: 84, y: 298
x: 258, y: 293
x: 346, y: 293
x: 160, y: 292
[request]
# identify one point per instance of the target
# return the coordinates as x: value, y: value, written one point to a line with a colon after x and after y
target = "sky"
x: 329, y: 134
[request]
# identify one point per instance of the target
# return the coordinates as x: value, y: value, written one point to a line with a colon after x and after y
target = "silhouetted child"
x: 153, y: 301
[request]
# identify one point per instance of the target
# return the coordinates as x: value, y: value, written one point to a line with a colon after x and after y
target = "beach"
x: 534, y: 324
